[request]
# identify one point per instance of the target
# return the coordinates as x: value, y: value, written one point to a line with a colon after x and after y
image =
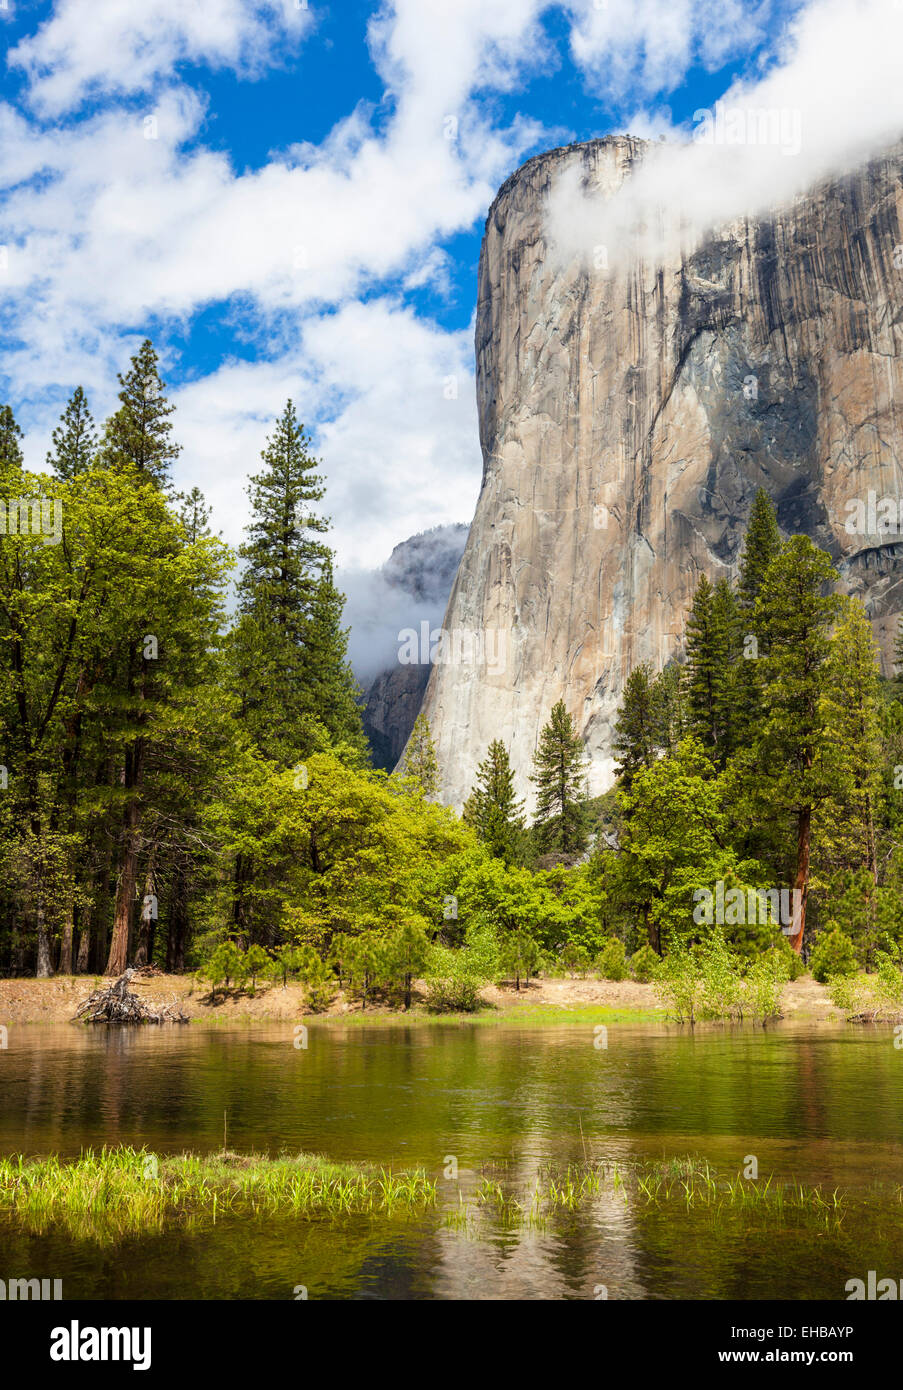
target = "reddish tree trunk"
x: 801, y: 883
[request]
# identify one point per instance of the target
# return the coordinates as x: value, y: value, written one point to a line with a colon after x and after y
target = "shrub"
x: 833, y: 954
x: 793, y: 963
x: 611, y: 961
x: 889, y: 986
x: 764, y: 984
x: 225, y: 964
x: 575, y: 957
x: 678, y: 983
x: 453, y: 981
x: 643, y: 964
x: 318, y: 981
x: 720, y: 971
x: 852, y: 994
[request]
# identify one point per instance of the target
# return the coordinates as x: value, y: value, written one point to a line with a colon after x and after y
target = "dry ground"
x: 55, y: 1000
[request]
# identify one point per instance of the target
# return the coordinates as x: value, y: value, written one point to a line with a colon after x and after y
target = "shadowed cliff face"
x: 411, y: 588
x: 627, y: 416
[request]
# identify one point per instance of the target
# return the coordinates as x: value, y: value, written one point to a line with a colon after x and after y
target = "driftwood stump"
x: 117, y: 1004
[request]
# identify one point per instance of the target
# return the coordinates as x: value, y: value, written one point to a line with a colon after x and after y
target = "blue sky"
x: 300, y: 224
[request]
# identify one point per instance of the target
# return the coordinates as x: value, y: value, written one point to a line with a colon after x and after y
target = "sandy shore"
x: 55, y: 1000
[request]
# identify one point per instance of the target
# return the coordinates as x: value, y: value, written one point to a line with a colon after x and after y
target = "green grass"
x: 124, y: 1191
x: 689, y: 1183
x: 524, y: 1015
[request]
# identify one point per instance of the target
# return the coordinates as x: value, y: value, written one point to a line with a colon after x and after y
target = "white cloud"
x: 637, y: 48
x: 112, y: 48
x: 832, y: 98
x: 394, y: 396
x: 110, y: 232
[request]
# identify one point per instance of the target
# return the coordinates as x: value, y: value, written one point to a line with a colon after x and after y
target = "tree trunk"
x: 178, y: 925
x: 145, y: 948
x: 65, y: 967
x: 83, y: 960
x: 801, y: 882
x: 43, y: 968
x: 125, y: 893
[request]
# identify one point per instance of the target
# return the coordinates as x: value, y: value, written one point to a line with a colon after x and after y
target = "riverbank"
x: 552, y: 1001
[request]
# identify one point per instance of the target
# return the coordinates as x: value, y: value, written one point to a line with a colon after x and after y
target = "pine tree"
x: 194, y: 514
x: 290, y: 649
x: 795, y: 753
x: 853, y: 700
x: 560, y: 781
x: 635, y: 738
x: 139, y: 432
x: 74, y: 439
x: 328, y: 682
x: 669, y: 712
x: 762, y: 544
x: 492, y: 808
x: 420, y: 761
x: 10, y: 434
x: 711, y: 651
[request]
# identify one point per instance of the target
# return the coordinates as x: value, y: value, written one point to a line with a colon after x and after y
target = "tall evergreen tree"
x: 492, y: 807
x: 853, y: 699
x: 74, y: 439
x: 290, y: 649
x: 10, y: 435
x: 761, y: 547
x: 711, y: 650
x: 636, y: 731
x: 795, y: 752
x: 560, y: 781
x: 420, y: 761
x: 139, y: 433
x: 669, y: 708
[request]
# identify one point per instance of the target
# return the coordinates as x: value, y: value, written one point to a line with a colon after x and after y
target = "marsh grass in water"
x: 689, y: 1183
x: 123, y: 1191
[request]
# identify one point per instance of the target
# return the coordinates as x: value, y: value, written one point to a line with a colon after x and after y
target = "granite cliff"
x: 628, y: 413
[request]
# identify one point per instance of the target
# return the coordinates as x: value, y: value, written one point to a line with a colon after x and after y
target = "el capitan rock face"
x: 627, y: 417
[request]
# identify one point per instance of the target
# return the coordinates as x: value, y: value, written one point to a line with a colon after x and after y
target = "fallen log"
x: 117, y: 1004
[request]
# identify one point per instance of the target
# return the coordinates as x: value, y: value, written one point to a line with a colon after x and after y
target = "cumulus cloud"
x: 390, y: 400
x: 101, y: 48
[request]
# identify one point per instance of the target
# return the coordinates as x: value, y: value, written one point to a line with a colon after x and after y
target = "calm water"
x: 822, y: 1105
